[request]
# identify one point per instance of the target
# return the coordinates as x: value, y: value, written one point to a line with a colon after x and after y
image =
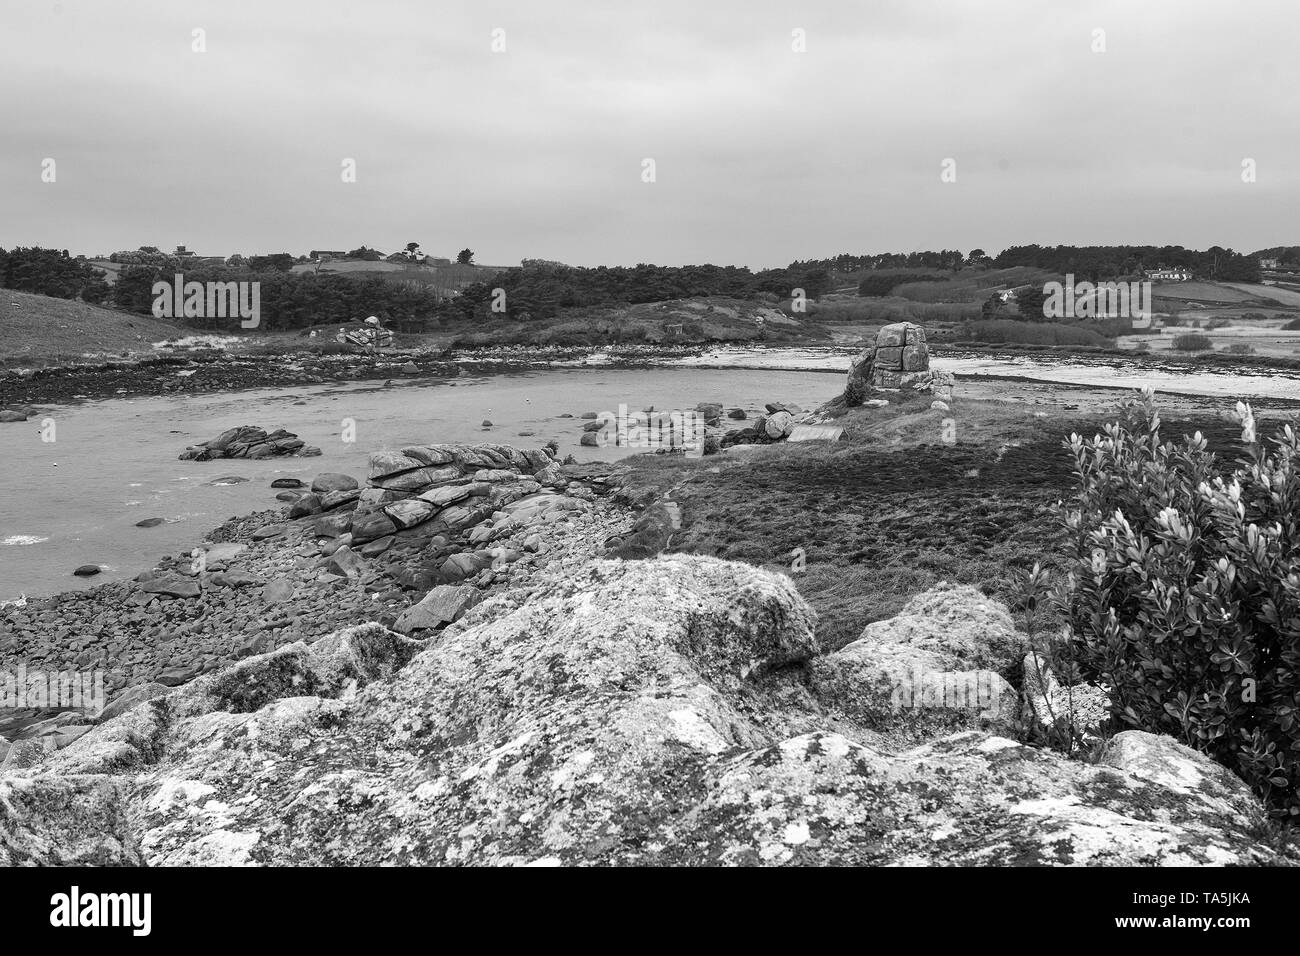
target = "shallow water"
x: 76, y: 501
x: 1247, y: 383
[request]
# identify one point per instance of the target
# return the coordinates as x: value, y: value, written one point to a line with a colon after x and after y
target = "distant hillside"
x: 443, y: 278
x: 972, y: 285
x: 38, y: 329
x: 680, y: 321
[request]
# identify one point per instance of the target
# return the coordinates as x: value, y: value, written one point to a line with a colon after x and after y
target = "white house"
x: 1168, y: 274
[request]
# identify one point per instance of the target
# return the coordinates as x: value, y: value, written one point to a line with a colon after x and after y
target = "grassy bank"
x: 892, y: 509
x: 41, y: 330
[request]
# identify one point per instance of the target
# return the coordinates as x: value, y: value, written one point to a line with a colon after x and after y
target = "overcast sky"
x: 762, y: 154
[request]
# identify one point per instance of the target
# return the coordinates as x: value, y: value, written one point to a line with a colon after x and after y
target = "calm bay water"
x: 76, y: 501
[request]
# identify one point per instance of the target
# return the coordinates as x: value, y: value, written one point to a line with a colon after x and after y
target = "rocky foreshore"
x: 677, y: 711
x: 214, y: 370
x: 338, y: 554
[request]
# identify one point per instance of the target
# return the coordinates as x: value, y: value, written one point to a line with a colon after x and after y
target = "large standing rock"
x: 636, y: 713
x: 900, y: 349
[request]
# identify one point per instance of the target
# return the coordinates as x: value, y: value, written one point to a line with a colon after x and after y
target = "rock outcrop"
x: 650, y: 712
x: 249, y: 441
x: 939, y: 665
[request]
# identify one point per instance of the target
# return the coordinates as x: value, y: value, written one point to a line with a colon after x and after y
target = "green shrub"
x: 1240, y: 348
x: 1192, y: 342
x: 1183, y: 593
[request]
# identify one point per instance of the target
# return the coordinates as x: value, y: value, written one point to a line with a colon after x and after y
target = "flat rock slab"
x: 442, y: 605
x: 172, y: 585
x: 225, y: 551
x: 816, y: 433
x: 279, y: 590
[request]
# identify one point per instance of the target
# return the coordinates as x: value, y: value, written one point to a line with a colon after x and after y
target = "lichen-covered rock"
x: 623, y: 713
x: 935, y: 667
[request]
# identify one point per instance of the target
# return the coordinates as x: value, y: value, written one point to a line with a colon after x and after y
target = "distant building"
x: 1270, y: 263
x: 1166, y: 274
x: 328, y: 254
x: 185, y: 255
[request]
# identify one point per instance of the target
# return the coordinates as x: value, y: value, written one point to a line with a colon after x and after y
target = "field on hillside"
x: 40, y: 330
x: 1287, y: 297
x: 1203, y: 292
x: 972, y: 285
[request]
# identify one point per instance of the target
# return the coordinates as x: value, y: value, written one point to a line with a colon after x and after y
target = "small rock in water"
x: 288, y: 483
x: 330, y: 481
x: 228, y: 480
x: 486, y: 423
x: 7, y: 415
x: 149, y: 523
x: 87, y: 570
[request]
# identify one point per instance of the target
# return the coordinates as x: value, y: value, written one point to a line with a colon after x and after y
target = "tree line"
x: 540, y: 289
x: 290, y: 300
x: 1094, y: 263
